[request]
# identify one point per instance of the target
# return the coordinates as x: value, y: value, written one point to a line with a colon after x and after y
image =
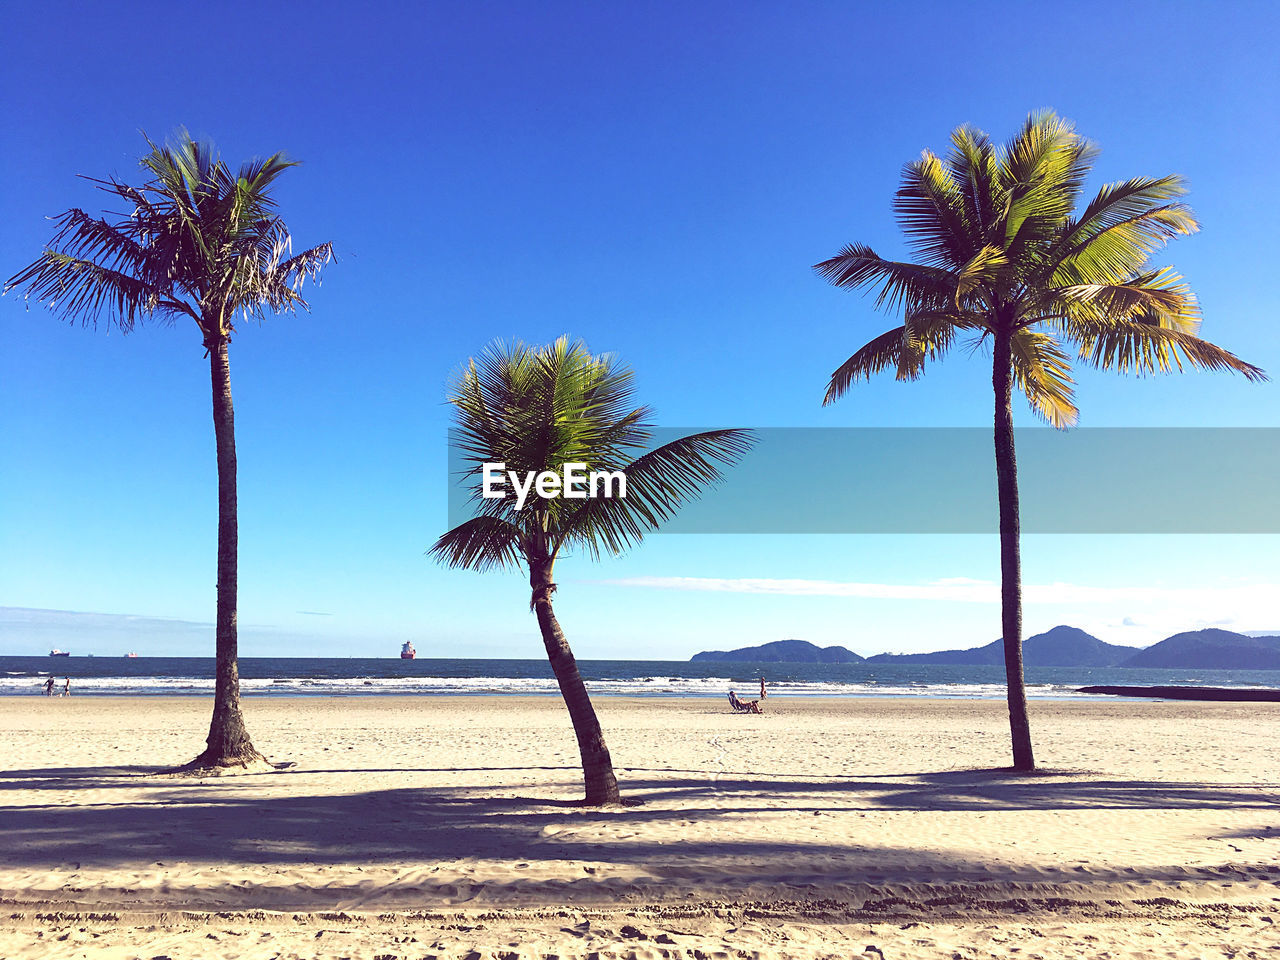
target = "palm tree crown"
x: 1002, y: 250
x: 536, y: 409
x: 199, y: 240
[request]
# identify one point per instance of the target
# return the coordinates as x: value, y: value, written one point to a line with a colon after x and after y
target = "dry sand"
x: 445, y: 827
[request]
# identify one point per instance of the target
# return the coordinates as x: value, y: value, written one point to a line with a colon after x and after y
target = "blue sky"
x: 654, y: 178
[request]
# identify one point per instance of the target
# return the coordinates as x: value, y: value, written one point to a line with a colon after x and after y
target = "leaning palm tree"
x: 530, y: 410
x: 1004, y: 256
x: 206, y: 243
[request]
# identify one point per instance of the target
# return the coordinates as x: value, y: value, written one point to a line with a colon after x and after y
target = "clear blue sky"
x: 655, y: 178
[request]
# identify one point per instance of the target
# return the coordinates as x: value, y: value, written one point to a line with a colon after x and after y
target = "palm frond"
x: 1042, y: 371
x: 92, y: 238
x: 1041, y: 172
x: 877, y: 355
x: 481, y: 543
x: 925, y: 336
x: 306, y: 265
x: 1118, y: 232
x: 984, y: 266
x: 1129, y: 299
x: 81, y: 289
x: 930, y: 209
x: 268, y: 281
x: 659, y: 483
x: 1142, y: 345
x: 260, y: 173
x: 972, y: 162
x: 899, y: 284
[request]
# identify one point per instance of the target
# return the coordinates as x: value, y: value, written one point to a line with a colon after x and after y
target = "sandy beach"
x: 446, y: 827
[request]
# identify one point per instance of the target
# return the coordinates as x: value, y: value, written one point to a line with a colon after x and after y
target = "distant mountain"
x: 780, y: 651
x: 1211, y: 650
x: 1060, y: 647
x: 989, y: 654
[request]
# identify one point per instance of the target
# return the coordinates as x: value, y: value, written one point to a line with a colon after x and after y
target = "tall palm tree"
x: 1004, y: 257
x: 537, y: 409
x: 206, y: 243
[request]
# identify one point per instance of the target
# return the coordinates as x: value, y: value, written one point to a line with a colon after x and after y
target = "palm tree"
x: 201, y: 242
x: 537, y: 409
x: 1004, y: 256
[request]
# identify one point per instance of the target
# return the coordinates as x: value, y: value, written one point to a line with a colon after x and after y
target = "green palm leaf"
x: 1143, y: 345
x: 1042, y: 371
x: 899, y: 284
x: 883, y: 352
x: 932, y: 211
x: 1126, y: 220
x: 481, y: 543
x: 659, y: 483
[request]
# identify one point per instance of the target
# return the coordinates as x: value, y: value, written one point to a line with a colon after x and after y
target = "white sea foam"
x: 636, y: 686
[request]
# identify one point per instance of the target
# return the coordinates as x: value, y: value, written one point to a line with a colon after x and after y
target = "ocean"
x: 364, y: 677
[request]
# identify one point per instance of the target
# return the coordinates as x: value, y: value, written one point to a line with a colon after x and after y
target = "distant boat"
x: 55, y: 652
x: 407, y: 652
x: 130, y: 655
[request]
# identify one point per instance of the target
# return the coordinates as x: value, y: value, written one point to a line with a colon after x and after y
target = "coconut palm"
x: 1004, y: 257
x: 200, y: 242
x: 537, y: 409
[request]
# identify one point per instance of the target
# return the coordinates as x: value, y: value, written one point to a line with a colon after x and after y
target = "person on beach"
x: 743, y: 706
x: 763, y: 692
x: 66, y: 688
x: 48, y: 687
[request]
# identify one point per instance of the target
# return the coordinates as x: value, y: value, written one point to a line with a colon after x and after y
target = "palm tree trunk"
x: 597, y: 765
x: 1010, y: 555
x: 228, y: 741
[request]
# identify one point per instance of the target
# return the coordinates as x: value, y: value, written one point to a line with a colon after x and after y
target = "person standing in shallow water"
x: 66, y: 688
x: 48, y: 687
x: 763, y: 693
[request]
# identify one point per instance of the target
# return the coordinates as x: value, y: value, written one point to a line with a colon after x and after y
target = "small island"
x: 779, y: 651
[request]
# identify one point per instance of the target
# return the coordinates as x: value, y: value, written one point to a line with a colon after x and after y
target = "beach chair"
x: 743, y: 706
